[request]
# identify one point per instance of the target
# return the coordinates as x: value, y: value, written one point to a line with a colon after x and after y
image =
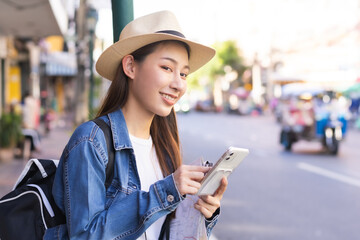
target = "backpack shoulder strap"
x: 165, y: 229
x: 111, y: 151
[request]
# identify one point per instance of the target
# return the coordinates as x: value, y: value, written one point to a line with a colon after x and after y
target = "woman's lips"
x: 170, y: 99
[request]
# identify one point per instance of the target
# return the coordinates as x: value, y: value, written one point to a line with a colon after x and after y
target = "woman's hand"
x: 208, y: 204
x: 187, y: 178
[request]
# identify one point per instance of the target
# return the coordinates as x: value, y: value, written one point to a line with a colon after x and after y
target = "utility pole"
x: 122, y: 14
x: 91, y: 19
x: 81, y: 86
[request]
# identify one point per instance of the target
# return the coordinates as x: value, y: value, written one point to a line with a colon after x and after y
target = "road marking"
x: 326, y: 173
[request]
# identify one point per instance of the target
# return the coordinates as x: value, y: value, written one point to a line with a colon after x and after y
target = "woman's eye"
x: 166, y: 68
x: 183, y: 75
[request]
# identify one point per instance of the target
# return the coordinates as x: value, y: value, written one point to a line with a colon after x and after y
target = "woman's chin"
x: 164, y: 113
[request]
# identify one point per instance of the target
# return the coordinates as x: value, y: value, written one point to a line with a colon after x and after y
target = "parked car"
x: 205, y: 106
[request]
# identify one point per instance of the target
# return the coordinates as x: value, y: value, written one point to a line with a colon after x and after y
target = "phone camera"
x: 231, y: 154
x: 227, y: 158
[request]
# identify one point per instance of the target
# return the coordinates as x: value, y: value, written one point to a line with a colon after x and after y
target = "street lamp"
x: 91, y: 20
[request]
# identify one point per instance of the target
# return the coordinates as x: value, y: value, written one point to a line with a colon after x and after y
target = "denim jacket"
x: 122, y: 211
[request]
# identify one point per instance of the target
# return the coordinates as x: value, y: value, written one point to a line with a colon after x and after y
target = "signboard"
x: 13, y: 87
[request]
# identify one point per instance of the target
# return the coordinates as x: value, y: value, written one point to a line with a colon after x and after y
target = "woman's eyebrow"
x: 174, y: 61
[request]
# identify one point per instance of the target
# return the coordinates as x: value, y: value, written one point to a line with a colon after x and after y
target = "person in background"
x: 30, y: 125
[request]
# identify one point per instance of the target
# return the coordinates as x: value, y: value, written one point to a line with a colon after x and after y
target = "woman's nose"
x: 178, y: 83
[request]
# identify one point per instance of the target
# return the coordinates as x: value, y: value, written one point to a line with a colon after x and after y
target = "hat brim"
x: 109, y: 60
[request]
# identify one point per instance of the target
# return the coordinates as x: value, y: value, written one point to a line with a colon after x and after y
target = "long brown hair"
x: 163, y: 130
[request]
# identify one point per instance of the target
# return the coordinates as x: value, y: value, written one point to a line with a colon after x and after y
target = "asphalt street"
x: 305, y: 194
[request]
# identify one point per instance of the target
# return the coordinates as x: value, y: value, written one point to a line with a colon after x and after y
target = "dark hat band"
x: 172, y: 32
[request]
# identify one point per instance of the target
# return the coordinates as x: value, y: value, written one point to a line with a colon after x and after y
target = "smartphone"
x: 226, y: 164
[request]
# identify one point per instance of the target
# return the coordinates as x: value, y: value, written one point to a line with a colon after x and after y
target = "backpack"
x: 29, y: 209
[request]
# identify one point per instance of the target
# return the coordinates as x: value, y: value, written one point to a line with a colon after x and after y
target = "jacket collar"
x: 119, y: 130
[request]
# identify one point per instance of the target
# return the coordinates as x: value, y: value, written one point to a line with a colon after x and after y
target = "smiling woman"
x: 157, y: 81
x: 148, y: 67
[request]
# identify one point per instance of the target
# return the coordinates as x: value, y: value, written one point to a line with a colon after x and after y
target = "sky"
x: 259, y: 23
x: 260, y: 26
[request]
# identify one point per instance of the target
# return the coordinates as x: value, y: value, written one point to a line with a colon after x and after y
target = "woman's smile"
x: 169, y: 99
x: 159, y: 81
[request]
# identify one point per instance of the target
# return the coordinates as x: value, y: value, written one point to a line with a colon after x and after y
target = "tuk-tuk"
x: 313, y: 114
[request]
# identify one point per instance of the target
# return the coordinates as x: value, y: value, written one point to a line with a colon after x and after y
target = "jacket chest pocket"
x: 115, y: 189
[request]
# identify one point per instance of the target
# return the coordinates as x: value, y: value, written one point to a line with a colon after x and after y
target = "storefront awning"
x: 32, y: 18
x: 60, y: 64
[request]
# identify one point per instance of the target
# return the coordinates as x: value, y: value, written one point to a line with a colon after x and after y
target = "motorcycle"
x: 311, y: 118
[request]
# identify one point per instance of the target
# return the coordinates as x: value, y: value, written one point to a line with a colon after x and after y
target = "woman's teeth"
x: 168, y: 97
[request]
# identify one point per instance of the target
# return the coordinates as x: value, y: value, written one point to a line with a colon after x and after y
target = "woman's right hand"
x: 187, y: 178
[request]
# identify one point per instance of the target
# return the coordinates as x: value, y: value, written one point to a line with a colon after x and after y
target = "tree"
x: 227, y: 54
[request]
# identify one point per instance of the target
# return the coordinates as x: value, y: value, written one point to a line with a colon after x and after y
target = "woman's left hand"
x: 208, y: 204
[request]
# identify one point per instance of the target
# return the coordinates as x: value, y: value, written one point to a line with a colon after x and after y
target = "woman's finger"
x: 203, y: 210
x: 196, y: 175
x: 222, y: 188
x: 189, y: 176
x: 194, y: 184
x: 210, y: 200
x: 207, y: 209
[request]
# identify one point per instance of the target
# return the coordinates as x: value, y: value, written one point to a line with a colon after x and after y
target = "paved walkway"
x: 52, y: 146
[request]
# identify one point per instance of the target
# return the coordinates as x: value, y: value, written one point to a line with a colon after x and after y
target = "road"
x: 276, y: 195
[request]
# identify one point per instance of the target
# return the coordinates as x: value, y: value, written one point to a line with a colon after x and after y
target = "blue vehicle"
x: 313, y: 117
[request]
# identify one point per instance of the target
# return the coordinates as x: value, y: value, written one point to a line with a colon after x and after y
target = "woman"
x: 148, y: 67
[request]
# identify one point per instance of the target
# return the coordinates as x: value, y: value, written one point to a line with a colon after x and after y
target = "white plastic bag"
x: 189, y: 223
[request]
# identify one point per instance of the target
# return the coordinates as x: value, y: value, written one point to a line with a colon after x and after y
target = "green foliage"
x: 209, y: 71
x: 10, y: 130
x: 227, y: 54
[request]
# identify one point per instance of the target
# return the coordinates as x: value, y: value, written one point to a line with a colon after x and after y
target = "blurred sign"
x: 55, y: 43
x: 13, y: 85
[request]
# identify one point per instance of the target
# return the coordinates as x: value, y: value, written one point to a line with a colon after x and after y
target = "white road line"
x: 326, y: 173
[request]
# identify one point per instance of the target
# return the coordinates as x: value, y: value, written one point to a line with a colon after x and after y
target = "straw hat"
x: 143, y: 31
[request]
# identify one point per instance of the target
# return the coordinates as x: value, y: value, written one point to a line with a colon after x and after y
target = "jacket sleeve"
x: 211, y: 222
x: 88, y: 215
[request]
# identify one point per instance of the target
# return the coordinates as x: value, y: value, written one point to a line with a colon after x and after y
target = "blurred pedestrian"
x: 30, y: 112
x: 30, y: 125
x: 49, y: 118
x: 148, y: 68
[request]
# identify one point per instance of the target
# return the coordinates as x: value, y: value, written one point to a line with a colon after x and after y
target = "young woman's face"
x: 159, y: 81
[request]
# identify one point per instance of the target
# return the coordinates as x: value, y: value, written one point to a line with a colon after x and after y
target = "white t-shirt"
x: 149, y: 172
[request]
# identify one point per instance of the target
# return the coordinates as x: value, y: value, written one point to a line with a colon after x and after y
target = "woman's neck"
x: 138, y: 122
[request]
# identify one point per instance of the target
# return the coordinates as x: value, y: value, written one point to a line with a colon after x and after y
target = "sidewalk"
x: 52, y: 146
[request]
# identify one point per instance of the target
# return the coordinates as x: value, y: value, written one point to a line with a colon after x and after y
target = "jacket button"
x: 170, y: 198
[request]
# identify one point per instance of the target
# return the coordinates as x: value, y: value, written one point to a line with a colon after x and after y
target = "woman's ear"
x: 128, y: 64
